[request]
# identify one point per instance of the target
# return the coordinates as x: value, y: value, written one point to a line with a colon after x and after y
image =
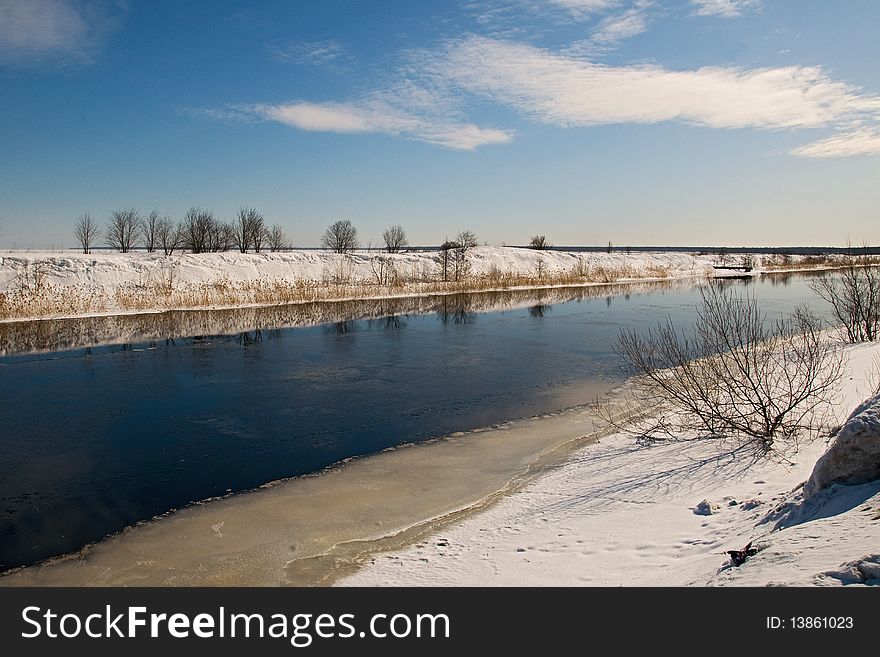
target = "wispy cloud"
x: 405, y: 109
x: 583, y: 8
x: 509, y: 18
x: 726, y: 8
x: 434, y: 89
x: 617, y: 27
x: 375, y: 115
x: 326, y: 54
x: 65, y: 32
x: 848, y: 144
x: 227, y: 113
x: 565, y: 90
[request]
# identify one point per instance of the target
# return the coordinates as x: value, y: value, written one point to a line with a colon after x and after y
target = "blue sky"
x: 635, y: 121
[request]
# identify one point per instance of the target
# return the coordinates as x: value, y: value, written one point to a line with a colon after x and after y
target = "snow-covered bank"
x: 51, y: 284
x: 621, y: 514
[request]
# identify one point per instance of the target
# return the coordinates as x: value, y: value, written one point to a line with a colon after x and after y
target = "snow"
x: 854, y: 457
x: 109, y: 283
x: 621, y: 514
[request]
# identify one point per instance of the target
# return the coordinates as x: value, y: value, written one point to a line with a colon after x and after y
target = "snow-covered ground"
x: 65, y: 284
x: 620, y: 514
x: 109, y: 270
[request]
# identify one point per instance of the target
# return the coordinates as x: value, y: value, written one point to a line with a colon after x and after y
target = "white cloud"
x: 725, y: 8
x: 323, y: 117
x: 569, y: 91
x: 63, y: 31
x: 614, y: 29
x: 860, y: 142
x: 585, y: 7
x: 327, y: 54
x: 376, y: 115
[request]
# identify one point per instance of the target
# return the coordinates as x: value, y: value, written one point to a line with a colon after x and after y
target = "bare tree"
x: 149, y: 227
x: 854, y: 295
x: 250, y: 228
x: 445, y: 258
x: 198, y: 230
x: 737, y: 374
x: 122, y: 229
x: 394, y: 238
x: 340, y: 237
x: 276, y: 239
x: 539, y: 242
x: 168, y: 235
x: 86, y: 232
x: 466, y: 239
x: 259, y: 237
x: 222, y: 237
x: 452, y: 259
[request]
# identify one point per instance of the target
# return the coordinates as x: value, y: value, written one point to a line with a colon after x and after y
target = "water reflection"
x: 540, y: 310
x: 249, y: 325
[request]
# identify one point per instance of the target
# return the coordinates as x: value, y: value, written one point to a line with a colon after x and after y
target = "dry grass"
x: 787, y: 262
x: 31, y: 296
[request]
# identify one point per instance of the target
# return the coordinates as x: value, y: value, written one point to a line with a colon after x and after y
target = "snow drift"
x: 854, y: 456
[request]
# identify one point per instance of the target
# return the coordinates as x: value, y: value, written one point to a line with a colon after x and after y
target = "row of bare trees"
x: 342, y: 237
x: 200, y: 231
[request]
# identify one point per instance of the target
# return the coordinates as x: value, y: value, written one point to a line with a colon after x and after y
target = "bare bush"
x: 86, y: 232
x: 276, y: 239
x: 854, y: 295
x: 122, y: 229
x: 737, y: 375
x: 340, y: 237
x: 394, y: 238
x: 539, y: 242
x: 383, y: 270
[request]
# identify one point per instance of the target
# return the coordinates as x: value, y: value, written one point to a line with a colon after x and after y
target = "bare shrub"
x: 383, y: 270
x: 122, y: 229
x: 340, y: 237
x: 86, y: 232
x: 854, y: 295
x: 394, y: 238
x: 737, y: 375
x: 32, y: 279
x: 539, y: 242
x: 541, y: 269
x: 581, y: 268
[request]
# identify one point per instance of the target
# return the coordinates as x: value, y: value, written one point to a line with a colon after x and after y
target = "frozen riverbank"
x: 37, y: 285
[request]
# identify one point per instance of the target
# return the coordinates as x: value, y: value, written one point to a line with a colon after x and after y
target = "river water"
x: 105, y: 422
